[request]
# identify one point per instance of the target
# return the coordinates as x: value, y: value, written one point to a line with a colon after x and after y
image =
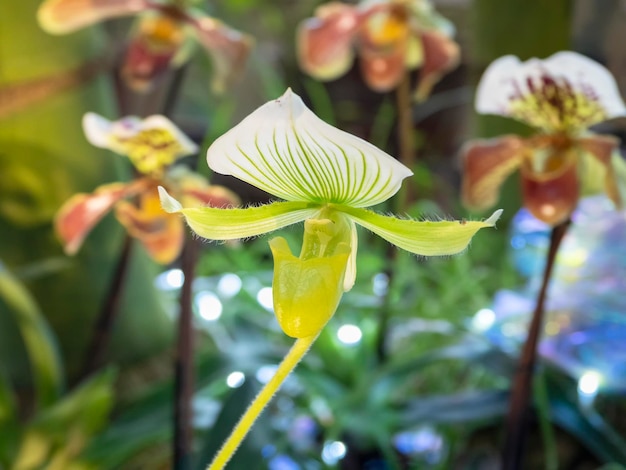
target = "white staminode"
x: 286, y: 150
x: 509, y: 77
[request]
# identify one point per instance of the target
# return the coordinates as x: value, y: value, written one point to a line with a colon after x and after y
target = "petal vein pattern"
x: 296, y: 156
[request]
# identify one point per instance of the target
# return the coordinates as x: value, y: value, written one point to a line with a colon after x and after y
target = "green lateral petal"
x: 422, y: 238
x: 286, y: 150
x: 232, y: 223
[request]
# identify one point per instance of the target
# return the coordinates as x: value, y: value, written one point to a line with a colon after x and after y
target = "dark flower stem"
x: 384, y: 312
x: 108, y: 313
x: 517, y: 419
x: 183, y: 362
x: 405, y: 197
x: 173, y: 92
x: 184, y: 376
x: 406, y: 142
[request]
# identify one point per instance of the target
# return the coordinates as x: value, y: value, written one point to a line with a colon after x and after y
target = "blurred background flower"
x: 152, y: 145
x: 561, y: 97
x: 391, y: 37
x: 162, y: 38
x: 585, y: 319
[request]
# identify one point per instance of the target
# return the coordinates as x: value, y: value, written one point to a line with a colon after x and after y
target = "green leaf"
x: 9, y: 426
x: 383, y: 123
x: 87, y: 407
x: 57, y: 436
x: 146, y: 422
x: 584, y: 421
x: 38, y: 338
x: 458, y: 408
x: 320, y: 99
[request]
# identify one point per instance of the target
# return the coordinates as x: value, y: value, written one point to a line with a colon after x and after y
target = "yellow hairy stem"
x: 291, y: 360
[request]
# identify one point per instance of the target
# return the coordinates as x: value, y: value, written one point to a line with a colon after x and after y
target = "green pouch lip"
x: 306, y: 291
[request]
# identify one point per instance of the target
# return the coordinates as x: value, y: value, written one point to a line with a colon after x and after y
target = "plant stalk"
x: 109, y: 311
x: 385, y: 306
x: 288, y: 364
x: 406, y: 142
x: 183, y: 362
x: 406, y: 196
x: 547, y: 432
x: 517, y: 418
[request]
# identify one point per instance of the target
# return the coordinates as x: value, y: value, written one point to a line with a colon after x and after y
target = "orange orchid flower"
x: 390, y: 37
x: 152, y: 145
x: 561, y: 97
x: 162, y: 37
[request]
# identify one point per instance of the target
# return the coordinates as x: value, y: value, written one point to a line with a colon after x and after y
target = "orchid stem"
x: 547, y: 432
x: 406, y: 143
x: 183, y: 363
x: 288, y: 364
x: 109, y: 311
x: 517, y: 419
x: 173, y: 92
x: 383, y: 314
x: 406, y: 196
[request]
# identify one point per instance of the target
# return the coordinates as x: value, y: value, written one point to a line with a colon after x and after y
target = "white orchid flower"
x: 327, y: 178
x: 561, y: 97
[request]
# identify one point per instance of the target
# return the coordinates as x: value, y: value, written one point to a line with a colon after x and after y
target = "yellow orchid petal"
x: 424, y: 238
x: 231, y: 224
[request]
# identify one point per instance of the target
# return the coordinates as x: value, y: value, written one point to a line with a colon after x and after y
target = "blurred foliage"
x: 44, y: 159
x: 419, y: 364
x: 524, y: 28
x: 57, y: 427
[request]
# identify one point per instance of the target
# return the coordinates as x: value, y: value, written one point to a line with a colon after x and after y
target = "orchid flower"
x: 326, y: 178
x: 161, y: 38
x: 391, y: 37
x: 561, y: 97
x: 151, y: 145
